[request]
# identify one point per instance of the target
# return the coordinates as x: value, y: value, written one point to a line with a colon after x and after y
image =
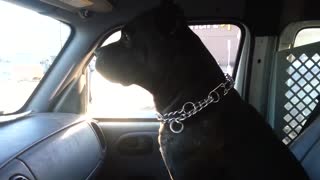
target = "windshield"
x: 29, y: 43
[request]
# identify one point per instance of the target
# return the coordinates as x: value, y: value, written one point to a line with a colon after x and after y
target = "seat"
x: 306, y: 148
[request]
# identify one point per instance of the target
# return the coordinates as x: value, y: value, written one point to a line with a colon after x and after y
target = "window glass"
x: 222, y: 40
x: 110, y: 100
x: 307, y: 36
x: 29, y: 43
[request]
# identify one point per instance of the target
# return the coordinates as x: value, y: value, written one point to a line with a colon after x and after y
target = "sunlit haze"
x: 29, y: 43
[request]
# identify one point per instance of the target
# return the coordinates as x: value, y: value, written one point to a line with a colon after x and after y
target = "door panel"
x: 132, y: 150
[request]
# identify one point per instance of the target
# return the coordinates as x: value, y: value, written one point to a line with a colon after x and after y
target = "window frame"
x: 241, y: 42
x: 290, y: 32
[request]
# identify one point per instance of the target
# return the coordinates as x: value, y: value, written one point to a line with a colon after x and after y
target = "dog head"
x: 153, y: 46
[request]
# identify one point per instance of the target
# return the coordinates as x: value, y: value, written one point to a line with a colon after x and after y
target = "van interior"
x: 60, y: 119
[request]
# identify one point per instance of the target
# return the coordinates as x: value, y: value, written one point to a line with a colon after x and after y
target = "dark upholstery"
x: 307, y: 149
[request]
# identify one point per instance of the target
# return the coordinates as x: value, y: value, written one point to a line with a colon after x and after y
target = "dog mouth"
x: 115, y: 63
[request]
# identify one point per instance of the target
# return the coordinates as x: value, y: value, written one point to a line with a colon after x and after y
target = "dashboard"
x: 51, y: 146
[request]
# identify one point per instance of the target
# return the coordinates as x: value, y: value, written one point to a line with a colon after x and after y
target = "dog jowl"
x: 227, y: 139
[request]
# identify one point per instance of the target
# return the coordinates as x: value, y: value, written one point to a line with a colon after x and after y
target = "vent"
x: 18, y: 177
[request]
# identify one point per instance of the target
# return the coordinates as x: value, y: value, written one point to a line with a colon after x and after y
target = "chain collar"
x: 189, y: 108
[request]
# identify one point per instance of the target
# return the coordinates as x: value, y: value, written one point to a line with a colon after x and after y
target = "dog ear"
x: 170, y: 17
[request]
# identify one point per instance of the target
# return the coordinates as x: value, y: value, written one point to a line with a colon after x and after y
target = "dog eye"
x: 126, y: 36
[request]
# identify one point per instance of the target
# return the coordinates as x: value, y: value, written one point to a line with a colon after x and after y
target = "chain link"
x: 176, y: 117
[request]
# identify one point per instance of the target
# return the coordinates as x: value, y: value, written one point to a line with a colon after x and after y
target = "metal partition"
x: 295, y: 86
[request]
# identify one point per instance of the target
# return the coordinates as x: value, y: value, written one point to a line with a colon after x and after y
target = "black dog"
x: 227, y: 139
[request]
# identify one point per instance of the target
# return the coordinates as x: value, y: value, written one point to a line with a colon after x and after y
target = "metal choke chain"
x: 176, y: 117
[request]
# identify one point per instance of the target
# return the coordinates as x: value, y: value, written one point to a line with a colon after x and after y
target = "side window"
x: 29, y: 43
x: 109, y: 100
x: 307, y: 36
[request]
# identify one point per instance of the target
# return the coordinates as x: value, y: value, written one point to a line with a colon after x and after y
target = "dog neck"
x: 173, y: 94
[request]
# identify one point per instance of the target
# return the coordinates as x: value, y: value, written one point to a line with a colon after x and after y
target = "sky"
x: 28, y: 36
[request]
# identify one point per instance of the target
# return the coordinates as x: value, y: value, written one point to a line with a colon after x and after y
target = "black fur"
x: 227, y: 140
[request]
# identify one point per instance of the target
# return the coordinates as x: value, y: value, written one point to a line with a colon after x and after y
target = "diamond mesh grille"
x: 304, y: 87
